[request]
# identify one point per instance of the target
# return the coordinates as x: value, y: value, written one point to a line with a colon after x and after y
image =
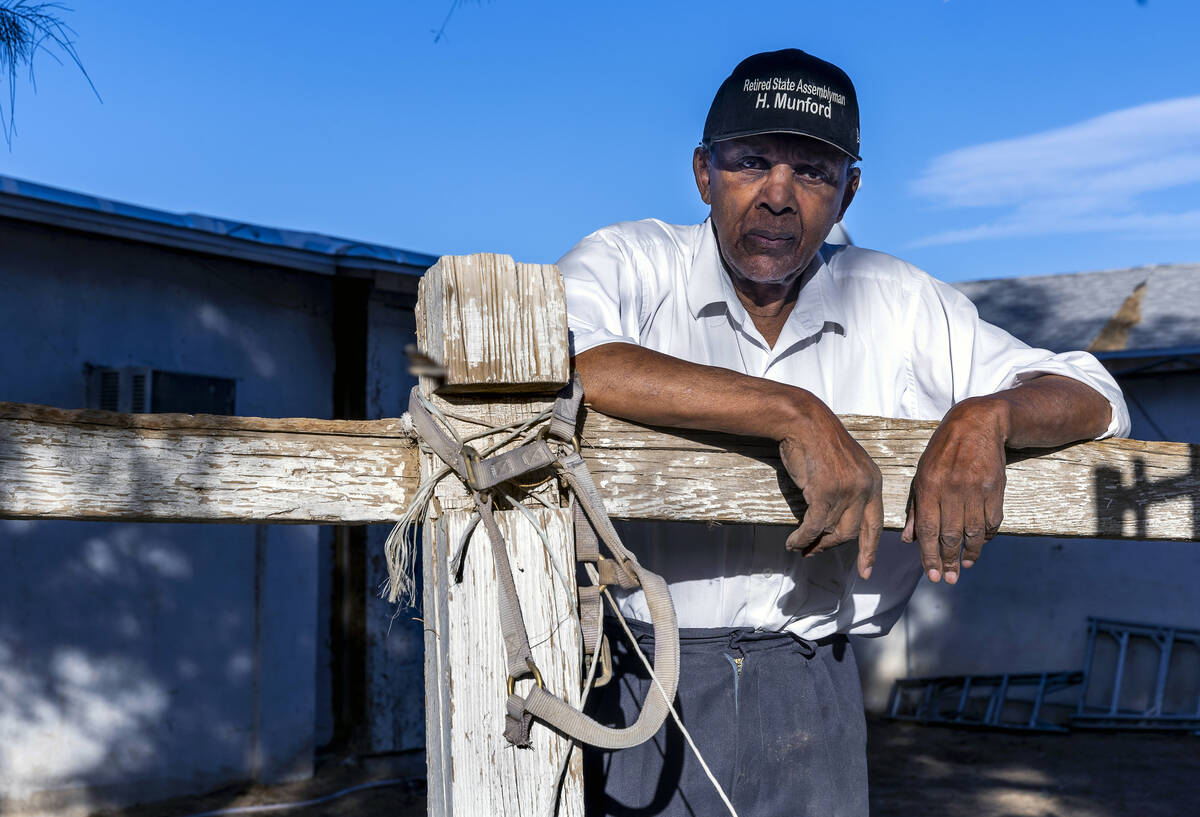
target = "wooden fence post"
x: 495, y: 326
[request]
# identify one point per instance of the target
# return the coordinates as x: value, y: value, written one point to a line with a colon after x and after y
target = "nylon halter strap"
x: 592, y: 526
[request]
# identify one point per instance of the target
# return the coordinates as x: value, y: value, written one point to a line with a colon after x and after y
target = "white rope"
x: 401, y: 547
x: 670, y: 706
x: 573, y: 747
x: 375, y: 784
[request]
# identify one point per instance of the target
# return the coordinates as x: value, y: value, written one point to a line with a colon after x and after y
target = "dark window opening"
x: 176, y: 393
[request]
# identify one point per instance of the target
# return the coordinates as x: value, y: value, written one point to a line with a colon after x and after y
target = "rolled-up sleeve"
x: 604, y: 293
x: 966, y: 356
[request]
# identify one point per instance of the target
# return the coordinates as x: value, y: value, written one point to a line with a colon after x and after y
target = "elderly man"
x: 749, y: 324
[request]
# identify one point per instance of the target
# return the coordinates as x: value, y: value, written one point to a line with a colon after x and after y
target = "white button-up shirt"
x: 870, y: 334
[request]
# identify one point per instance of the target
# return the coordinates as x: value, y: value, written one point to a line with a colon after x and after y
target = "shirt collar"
x: 709, y: 284
x: 819, y: 304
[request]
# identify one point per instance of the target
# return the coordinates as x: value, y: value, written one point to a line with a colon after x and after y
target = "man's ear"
x: 701, y: 165
x: 853, y: 177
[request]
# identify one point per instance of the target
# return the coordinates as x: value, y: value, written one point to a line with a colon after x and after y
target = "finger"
x: 925, y: 529
x: 993, y: 516
x: 826, y: 541
x: 868, y: 535
x: 908, y: 534
x: 845, y: 530
x: 812, y: 526
x: 975, y: 533
x: 950, y: 537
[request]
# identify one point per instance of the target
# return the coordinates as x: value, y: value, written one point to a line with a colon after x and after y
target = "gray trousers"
x: 778, y: 719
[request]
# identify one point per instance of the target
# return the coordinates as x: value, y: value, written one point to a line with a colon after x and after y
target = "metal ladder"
x: 985, y: 700
x: 1116, y: 695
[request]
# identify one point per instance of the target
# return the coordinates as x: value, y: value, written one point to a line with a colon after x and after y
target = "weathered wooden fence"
x: 499, y: 330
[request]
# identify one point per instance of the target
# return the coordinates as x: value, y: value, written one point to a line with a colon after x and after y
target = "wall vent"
x: 126, y: 389
x: 142, y: 390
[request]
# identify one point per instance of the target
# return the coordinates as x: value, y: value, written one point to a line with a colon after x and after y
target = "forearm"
x: 1042, y: 413
x: 840, y: 484
x: 645, y: 386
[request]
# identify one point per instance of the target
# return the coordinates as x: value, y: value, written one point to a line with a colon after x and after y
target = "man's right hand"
x: 839, y: 482
x: 841, y: 485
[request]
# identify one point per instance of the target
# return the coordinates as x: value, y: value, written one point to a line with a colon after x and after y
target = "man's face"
x: 774, y: 198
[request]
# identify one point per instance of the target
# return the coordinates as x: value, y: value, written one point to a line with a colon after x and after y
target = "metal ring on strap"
x: 537, y: 678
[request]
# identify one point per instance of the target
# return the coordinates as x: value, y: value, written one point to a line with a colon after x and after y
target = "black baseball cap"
x: 786, y: 91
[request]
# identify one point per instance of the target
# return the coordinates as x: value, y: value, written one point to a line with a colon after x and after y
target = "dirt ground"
x: 406, y: 799
x: 915, y: 771
x: 936, y: 770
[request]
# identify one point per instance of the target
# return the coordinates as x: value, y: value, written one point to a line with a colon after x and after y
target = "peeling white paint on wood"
x: 60, y: 464
x: 495, y: 325
x: 476, y: 771
x: 1109, y: 489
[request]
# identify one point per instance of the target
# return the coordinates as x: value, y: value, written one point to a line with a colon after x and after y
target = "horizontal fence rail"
x: 59, y: 464
x: 66, y: 464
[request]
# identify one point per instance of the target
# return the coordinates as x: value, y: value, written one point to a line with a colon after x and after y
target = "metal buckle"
x: 606, y: 667
x: 470, y: 457
x: 537, y: 678
x: 543, y: 433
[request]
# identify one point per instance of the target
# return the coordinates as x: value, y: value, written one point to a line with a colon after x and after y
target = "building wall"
x: 147, y: 660
x: 395, y: 638
x: 1024, y: 607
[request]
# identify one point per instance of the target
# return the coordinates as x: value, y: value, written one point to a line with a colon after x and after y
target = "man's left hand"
x: 957, y: 495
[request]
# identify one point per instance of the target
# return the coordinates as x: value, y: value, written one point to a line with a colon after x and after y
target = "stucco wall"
x: 138, y: 661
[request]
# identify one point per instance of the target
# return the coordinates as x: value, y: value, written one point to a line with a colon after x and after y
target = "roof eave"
x: 94, y: 222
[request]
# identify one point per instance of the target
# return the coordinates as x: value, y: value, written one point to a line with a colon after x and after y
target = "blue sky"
x: 999, y: 138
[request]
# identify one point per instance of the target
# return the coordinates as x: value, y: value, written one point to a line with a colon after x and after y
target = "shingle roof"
x: 1062, y: 312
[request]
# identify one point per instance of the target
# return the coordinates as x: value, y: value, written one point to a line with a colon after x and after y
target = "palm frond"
x: 439, y: 33
x: 27, y: 29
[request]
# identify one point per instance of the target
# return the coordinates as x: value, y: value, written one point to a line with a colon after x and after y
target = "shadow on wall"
x: 131, y: 662
x: 74, y: 702
x: 1024, y: 607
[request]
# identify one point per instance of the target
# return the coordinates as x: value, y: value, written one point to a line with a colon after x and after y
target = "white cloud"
x: 1094, y: 176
